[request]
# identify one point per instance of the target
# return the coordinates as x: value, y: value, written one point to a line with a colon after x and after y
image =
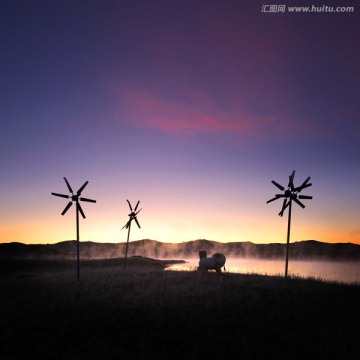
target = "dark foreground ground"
x: 147, y: 313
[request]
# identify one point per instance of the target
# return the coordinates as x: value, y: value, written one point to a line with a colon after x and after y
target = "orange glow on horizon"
x: 175, y: 231
x: 174, y: 218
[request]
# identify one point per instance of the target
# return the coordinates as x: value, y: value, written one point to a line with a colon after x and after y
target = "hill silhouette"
x: 309, y: 249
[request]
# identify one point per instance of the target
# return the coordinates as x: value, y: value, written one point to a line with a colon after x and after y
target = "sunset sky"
x: 192, y: 107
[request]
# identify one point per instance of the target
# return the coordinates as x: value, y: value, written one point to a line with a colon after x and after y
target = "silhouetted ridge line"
x: 309, y: 249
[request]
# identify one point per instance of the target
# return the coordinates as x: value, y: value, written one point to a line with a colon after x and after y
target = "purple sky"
x: 191, y: 107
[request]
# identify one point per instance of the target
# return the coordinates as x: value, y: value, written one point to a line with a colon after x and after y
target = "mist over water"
x: 308, y: 259
x: 344, y: 272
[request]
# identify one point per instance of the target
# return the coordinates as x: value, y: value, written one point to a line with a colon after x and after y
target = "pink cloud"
x: 194, y: 113
x: 227, y: 75
x: 217, y: 77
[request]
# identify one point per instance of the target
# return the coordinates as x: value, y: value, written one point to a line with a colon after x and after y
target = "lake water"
x: 345, y: 272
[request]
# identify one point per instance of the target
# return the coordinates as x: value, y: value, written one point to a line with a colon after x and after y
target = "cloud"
x: 193, y: 113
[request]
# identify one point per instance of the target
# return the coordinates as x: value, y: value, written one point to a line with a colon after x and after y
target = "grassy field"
x: 147, y: 313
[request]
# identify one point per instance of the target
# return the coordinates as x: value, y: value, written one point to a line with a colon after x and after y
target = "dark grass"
x: 146, y: 313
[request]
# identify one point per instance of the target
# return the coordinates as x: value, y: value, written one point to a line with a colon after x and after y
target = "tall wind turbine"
x: 290, y: 194
x: 132, y: 216
x: 75, y: 198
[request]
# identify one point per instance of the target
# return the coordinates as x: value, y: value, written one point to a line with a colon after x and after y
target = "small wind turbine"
x: 75, y: 197
x: 291, y: 194
x: 132, y: 216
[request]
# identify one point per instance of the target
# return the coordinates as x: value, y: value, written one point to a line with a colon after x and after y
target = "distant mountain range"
x: 309, y: 249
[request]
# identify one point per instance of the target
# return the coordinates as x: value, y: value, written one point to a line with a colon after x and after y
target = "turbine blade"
x: 136, y: 220
x: 137, y: 212
x: 273, y: 199
x: 297, y: 201
x: 129, y: 205
x: 300, y: 188
x: 277, y: 196
x: 306, y: 181
x: 67, y: 208
x: 303, y: 185
x: 291, y: 180
x: 286, y: 203
x: 87, y: 200
x: 137, y: 204
x: 127, y: 224
x: 68, y: 185
x: 81, y: 211
x: 81, y: 189
x: 61, y: 195
x: 278, y: 185
x: 305, y: 197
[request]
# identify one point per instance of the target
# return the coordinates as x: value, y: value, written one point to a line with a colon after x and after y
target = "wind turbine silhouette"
x: 132, y: 216
x: 290, y: 194
x: 75, y: 198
